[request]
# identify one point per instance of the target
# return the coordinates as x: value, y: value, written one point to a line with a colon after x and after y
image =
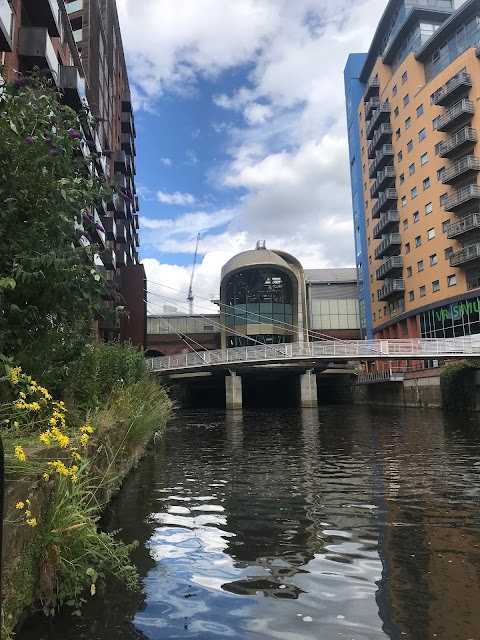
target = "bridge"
x: 319, y: 354
x: 305, y: 360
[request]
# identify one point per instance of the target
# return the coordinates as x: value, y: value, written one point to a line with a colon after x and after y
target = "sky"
x: 241, y: 133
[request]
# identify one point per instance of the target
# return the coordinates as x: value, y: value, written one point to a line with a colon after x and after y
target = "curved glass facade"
x: 259, y: 296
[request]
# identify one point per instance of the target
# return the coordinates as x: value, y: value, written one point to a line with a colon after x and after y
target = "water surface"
x: 347, y: 522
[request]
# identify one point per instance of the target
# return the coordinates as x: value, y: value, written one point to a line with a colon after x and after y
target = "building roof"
x: 255, y: 258
x: 342, y: 274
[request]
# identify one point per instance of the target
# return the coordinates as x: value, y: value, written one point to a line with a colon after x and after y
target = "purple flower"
x: 99, y: 227
x: 74, y: 286
x: 107, y: 153
x: 74, y: 134
x: 29, y: 140
x: 54, y: 152
x: 90, y: 144
x: 86, y: 217
x: 125, y: 197
x: 88, y: 236
x: 21, y: 82
x: 48, y: 142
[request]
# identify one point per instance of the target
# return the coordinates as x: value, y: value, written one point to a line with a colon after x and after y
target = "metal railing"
x: 392, y: 264
x: 382, y: 154
x: 392, y: 288
x: 468, y: 223
x: 468, y: 163
x: 385, y: 375
x: 470, y: 192
x: 390, y: 218
x: 389, y: 173
x: 328, y: 350
x: 467, y: 254
x: 372, y: 87
x: 383, y: 111
x: 384, y: 201
x: 460, y: 108
x: 384, y: 130
x: 461, y: 79
x: 467, y: 134
x: 392, y: 240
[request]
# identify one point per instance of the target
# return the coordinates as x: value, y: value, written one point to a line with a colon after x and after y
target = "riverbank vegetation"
x: 75, y: 415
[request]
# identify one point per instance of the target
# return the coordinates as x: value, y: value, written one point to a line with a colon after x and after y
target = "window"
x: 445, y: 224
x: 411, y: 169
x: 422, y: 134
x: 402, y: 178
x: 426, y: 183
x: 440, y: 173
x: 379, y: 313
x: 418, y: 241
x: 404, y: 77
x: 431, y: 233
x: 413, y: 192
x: 436, y: 285
x: 373, y: 299
x: 433, y: 259
x: 420, y: 265
x: 419, y: 110
x: 452, y: 280
x: 404, y: 200
x: 396, y: 112
x: 443, y: 199
x: 411, y: 296
x: 394, y: 90
x: 428, y: 208
x: 424, y: 159
x: 407, y: 247
x: 435, y: 122
x: 423, y: 291
x: 397, y: 134
x: 409, y: 146
x: 408, y: 123
x: 369, y: 259
x: 405, y: 224
x: 409, y: 272
x: 371, y: 278
x: 399, y: 156
x: 374, y: 316
x: 416, y: 216
x: 437, y: 148
x: 406, y: 100
x: 448, y: 252
x: 368, y: 241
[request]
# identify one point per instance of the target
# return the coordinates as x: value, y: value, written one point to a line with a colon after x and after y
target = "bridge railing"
x: 413, y: 348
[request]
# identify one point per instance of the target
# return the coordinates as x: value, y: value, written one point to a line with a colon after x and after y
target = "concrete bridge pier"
x: 233, y: 391
x: 308, y: 389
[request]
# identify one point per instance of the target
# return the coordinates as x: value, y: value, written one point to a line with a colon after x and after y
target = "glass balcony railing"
x: 76, y: 5
x: 6, y: 22
x: 78, y: 35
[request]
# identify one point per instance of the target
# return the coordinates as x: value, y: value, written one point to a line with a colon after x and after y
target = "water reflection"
x: 347, y: 522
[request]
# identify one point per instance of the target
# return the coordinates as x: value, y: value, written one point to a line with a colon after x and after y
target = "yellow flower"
x: 86, y: 429
x: 46, y: 477
x: 76, y: 456
x: 22, y: 395
x: 93, y: 589
x: 53, y: 421
x: 15, y: 424
x: 84, y: 440
x: 32, y: 522
x: 27, y: 502
x: 19, y: 505
x: 45, y: 437
x: 15, y: 374
x: 20, y: 454
x: 27, y: 513
x: 59, y: 467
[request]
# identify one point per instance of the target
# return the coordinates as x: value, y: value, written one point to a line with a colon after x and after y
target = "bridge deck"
x: 318, y: 353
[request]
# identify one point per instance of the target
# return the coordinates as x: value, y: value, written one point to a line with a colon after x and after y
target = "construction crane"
x: 190, y: 288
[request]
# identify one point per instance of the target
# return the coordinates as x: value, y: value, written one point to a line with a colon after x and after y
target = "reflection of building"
x: 263, y: 299
x: 413, y: 130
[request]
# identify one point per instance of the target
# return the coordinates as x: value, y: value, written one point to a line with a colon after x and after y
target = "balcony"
x: 121, y: 258
x: 467, y: 254
x: 380, y: 115
x: 128, y: 144
x: 372, y: 89
x: 465, y: 194
x: 6, y: 23
x: 110, y: 228
x: 384, y: 202
x: 36, y: 50
x: 109, y: 259
x: 389, y: 246
x: 44, y: 13
x: 120, y: 162
x: 458, y: 85
x: 392, y: 290
x: 457, y: 114
x: 391, y: 266
x: 121, y: 232
x: 126, y: 102
x: 372, y: 104
x: 383, y: 157
x: 99, y: 234
x: 72, y: 87
x: 462, y: 138
x: 466, y: 224
x: 118, y: 206
x: 382, y: 134
x: 384, y: 178
x: 78, y: 35
x: 461, y: 169
x: 390, y: 219
x: 128, y: 125
x: 135, y: 220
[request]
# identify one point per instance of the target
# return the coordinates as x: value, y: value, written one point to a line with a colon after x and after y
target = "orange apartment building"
x: 78, y: 45
x: 414, y: 150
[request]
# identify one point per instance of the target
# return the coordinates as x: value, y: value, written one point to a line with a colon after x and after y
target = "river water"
x: 349, y: 523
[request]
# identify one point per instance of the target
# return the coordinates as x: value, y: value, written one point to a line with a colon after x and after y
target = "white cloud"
x: 166, y: 161
x: 175, y: 198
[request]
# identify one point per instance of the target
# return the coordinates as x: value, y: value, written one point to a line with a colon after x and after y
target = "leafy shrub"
x: 457, y: 384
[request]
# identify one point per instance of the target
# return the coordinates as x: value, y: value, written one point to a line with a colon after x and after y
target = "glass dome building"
x: 263, y: 299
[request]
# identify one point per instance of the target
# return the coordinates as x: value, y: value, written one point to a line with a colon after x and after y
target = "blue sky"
x: 241, y: 134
